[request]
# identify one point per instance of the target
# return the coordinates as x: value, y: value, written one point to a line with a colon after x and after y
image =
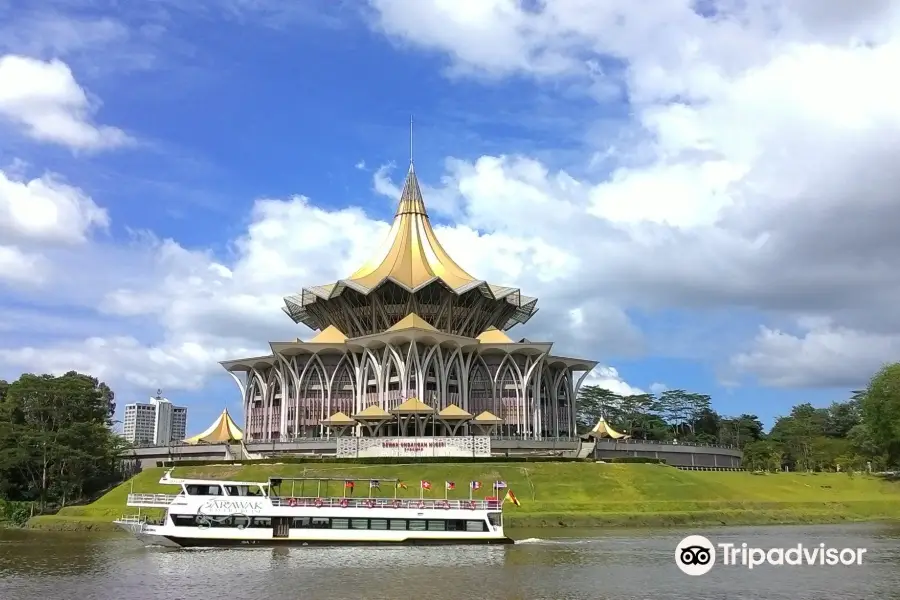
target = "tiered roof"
x: 412, y: 258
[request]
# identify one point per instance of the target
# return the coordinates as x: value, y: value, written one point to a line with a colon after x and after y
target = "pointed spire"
x: 411, y: 201
x: 410, y: 141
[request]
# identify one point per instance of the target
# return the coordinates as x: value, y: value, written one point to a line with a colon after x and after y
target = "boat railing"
x: 407, y: 503
x: 165, y: 500
x: 152, y: 500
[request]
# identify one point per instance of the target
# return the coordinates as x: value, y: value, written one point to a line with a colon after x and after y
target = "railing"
x: 301, y: 439
x: 152, y: 499
x: 164, y: 500
x: 612, y: 442
x: 406, y: 503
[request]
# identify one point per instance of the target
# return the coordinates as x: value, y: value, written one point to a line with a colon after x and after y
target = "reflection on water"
x: 550, y: 565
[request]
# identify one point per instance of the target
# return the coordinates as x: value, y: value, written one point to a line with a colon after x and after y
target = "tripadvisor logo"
x: 696, y: 555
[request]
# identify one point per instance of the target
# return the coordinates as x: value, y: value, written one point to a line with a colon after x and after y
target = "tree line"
x: 858, y: 433
x: 57, y: 444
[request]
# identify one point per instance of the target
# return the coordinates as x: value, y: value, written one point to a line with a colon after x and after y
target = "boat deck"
x: 165, y: 500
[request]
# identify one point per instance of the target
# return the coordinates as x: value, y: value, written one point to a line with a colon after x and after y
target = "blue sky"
x: 647, y: 175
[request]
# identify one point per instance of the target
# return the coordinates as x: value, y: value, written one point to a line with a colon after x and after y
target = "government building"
x: 410, y: 345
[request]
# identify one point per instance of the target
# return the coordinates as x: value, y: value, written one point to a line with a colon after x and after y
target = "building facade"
x: 409, y: 324
x: 157, y: 422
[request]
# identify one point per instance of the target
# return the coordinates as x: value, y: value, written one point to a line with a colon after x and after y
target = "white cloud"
x: 47, y: 210
x: 43, y: 98
x: 608, y: 378
x: 822, y: 355
x: 18, y: 267
x: 762, y: 177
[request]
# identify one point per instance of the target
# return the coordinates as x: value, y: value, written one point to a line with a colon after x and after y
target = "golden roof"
x: 602, y: 429
x: 329, y: 335
x: 413, y: 405
x: 454, y: 412
x: 222, y: 431
x: 411, y: 321
x: 338, y: 419
x: 373, y: 412
x: 488, y: 418
x: 492, y: 335
x: 412, y: 256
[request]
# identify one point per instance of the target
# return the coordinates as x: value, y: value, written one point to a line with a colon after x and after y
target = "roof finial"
x: 410, y: 140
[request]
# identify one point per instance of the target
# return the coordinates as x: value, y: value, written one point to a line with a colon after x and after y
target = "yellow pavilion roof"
x: 413, y: 405
x: 223, y: 430
x: 412, y: 321
x: 453, y: 412
x: 373, y: 412
x: 492, y: 335
x: 602, y: 429
x: 338, y: 419
x: 488, y: 418
x: 411, y: 255
x: 329, y: 335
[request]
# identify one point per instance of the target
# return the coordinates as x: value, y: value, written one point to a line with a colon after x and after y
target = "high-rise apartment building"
x: 157, y: 422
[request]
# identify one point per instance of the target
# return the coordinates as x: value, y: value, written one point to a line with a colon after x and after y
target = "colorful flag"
x: 375, y: 484
x: 475, y: 485
x: 401, y: 485
x: 426, y: 485
x: 450, y: 485
x: 500, y: 484
x: 512, y: 498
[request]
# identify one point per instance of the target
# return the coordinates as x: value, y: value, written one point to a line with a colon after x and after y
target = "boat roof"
x: 277, y: 480
x: 167, y: 479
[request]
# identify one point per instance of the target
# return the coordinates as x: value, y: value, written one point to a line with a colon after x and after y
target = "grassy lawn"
x: 569, y: 494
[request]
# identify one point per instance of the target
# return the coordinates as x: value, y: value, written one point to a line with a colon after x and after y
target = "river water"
x: 544, y: 565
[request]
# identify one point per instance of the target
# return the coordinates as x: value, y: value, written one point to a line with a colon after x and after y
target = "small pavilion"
x: 373, y: 418
x: 487, y: 423
x: 413, y: 411
x: 222, y: 431
x: 339, y: 423
x: 452, y: 418
x: 603, y: 430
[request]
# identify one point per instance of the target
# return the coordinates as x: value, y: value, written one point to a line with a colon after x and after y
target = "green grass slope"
x: 570, y: 494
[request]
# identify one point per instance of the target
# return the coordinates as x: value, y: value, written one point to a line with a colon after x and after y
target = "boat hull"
x: 182, y: 542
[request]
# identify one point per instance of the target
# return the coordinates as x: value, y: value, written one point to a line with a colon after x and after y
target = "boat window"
x: 494, y: 518
x: 183, y: 520
x: 237, y: 490
x: 456, y: 525
x: 378, y: 524
x: 398, y: 524
x: 301, y: 523
x: 474, y: 525
x: 359, y: 523
x: 320, y: 523
x: 416, y: 525
x: 194, y: 489
x: 340, y: 523
x: 437, y: 525
x: 262, y: 522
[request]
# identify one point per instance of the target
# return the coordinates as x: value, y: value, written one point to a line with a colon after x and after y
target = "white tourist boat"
x: 207, y: 513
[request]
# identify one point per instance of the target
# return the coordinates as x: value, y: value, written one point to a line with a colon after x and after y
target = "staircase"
x: 586, y: 449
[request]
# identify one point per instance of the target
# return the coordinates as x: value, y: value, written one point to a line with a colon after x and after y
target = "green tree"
x: 880, y: 406
x: 763, y: 455
x: 595, y: 402
x: 56, y: 440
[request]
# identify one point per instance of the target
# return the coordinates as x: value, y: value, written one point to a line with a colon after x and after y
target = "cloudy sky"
x: 704, y: 195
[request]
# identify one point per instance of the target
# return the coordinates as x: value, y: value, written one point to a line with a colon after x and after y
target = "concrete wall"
x: 673, y: 454
x: 677, y: 455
